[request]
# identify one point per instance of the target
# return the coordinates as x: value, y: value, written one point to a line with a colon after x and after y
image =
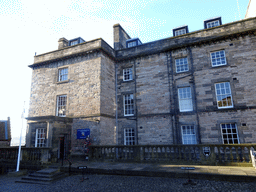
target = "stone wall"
x: 82, y: 87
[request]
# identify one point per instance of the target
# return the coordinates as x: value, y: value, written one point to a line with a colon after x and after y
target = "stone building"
x: 195, y: 87
x: 5, y: 133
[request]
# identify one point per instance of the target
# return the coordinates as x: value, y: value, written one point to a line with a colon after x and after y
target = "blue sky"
x: 35, y: 26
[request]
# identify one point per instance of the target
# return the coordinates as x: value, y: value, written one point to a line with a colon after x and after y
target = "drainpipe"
x: 135, y: 102
x: 171, y: 98
x: 116, y: 104
x: 194, y: 90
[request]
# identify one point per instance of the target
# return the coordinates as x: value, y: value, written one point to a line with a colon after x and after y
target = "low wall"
x: 238, y: 154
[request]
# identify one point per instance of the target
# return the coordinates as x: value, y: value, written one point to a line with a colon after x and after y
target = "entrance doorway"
x: 61, y: 148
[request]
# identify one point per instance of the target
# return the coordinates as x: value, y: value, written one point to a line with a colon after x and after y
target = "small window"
x: 229, y: 133
x: 132, y: 44
x: 181, y: 65
x: 61, y: 105
x: 40, y: 138
x: 129, y: 136
x: 188, y: 134
x: 218, y: 58
x: 128, y: 105
x: 127, y: 74
x: 180, y: 32
x: 185, y: 99
x: 63, y: 74
x: 213, y: 24
x: 73, y: 42
x: 223, y: 94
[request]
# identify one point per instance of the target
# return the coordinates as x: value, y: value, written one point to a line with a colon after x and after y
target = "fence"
x: 179, y: 154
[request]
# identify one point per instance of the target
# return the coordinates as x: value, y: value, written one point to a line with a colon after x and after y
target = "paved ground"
x: 226, y: 173
x: 133, y: 177
x: 125, y: 183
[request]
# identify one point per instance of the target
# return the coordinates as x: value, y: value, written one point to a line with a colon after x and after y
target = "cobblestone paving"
x: 111, y: 183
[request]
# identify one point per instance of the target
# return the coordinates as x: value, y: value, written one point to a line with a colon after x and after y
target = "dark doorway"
x: 62, y: 151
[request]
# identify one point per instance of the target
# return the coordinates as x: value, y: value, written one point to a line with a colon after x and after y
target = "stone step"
x: 44, y: 176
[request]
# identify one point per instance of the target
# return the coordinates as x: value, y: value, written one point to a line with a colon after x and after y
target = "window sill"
x: 216, y: 66
x: 127, y: 81
x: 60, y: 82
x: 226, y: 107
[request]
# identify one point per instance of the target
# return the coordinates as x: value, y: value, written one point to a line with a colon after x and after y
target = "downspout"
x: 135, y: 100
x: 116, y: 104
x: 194, y: 90
x: 169, y: 84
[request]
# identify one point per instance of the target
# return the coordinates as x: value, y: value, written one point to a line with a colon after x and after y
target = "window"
x: 129, y: 136
x: 229, y: 133
x: 188, y: 134
x: 40, y: 138
x: 127, y: 74
x: 185, y: 99
x: 181, y: 65
x: 180, y: 32
x: 212, y: 24
x: 223, y: 94
x: 73, y: 42
x: 132, y: 44
x: 63, y: 74
x: 218, y: 58
x: 128, y: 105
x: 61, y: 105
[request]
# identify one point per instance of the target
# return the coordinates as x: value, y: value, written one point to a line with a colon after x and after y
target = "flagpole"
x: 22, y: 117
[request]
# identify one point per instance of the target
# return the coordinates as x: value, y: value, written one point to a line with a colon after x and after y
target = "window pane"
x: 223, y: 95
x: 218, y: 58
x: 128, y: 105
x: 181, y: 65
x: 229, y: 133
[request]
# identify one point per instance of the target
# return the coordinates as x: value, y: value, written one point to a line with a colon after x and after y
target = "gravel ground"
x: 124, y: 183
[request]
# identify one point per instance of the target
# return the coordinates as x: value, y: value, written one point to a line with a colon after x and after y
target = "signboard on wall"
x: 82, y: 133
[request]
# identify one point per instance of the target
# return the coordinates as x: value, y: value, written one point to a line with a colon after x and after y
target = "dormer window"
x: 133, y: 42
x: 180, y: 30
x: 75, y: 41
x: 213, y: 22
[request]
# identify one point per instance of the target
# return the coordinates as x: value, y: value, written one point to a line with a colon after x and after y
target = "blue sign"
x: 82, y: 133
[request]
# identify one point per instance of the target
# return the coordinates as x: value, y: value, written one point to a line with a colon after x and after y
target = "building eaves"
x: 73, y: 51
x: 196, y: 38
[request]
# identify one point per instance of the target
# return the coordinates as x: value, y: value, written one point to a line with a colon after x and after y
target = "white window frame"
x: 63, y: 74
x: 185, y: 99
x: 211, y: 24
x: 129, y: 136
x: 127, y: 74
x: 40, y: 137
x: 128, y: 105
x: 61, y: 107
x: 74, y: 42
x: 223, y: 91
x: 218, y: 58
x: 229, y: 133
x: 132, y: 44
x: 188, y: 133
x: 181, y: 65
x: 180, y: 32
